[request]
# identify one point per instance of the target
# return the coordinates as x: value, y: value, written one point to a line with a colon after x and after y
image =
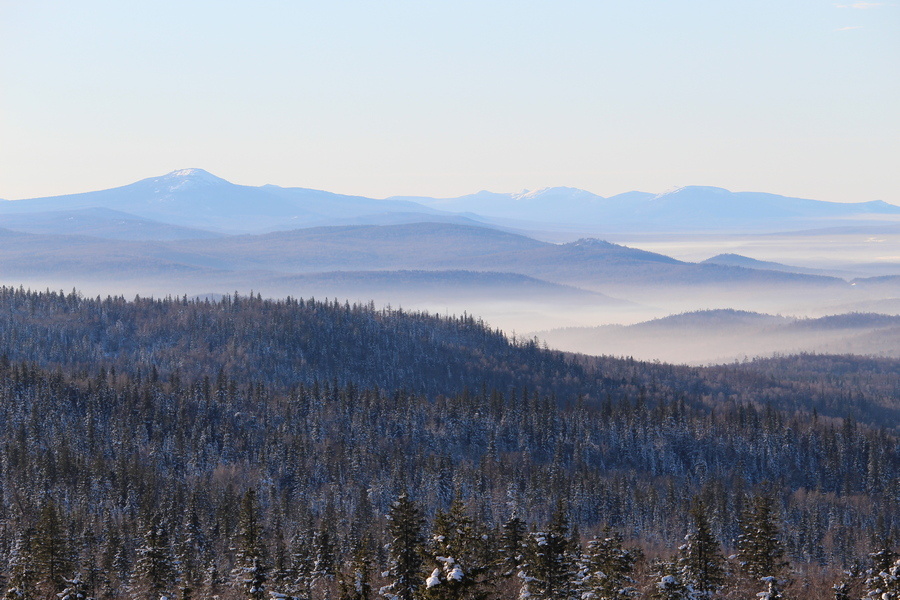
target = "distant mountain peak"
x: 695, y: 189
x: 189, y: 178
x: 557, y: 191
x: 591, y: 243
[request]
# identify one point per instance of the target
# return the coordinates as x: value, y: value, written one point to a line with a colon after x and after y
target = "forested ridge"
x: 245, y: 447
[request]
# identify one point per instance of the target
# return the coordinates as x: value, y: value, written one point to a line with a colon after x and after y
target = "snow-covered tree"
x: 21, y: 568
x: 460, y: 566
x: 153, y: 569
x: 50, y: 551
x: 773, y: 589
x: 511, y: 538
x: 303, y: 562
x: 548, y: 570
x: 250, y: 573
x: 252, y: 579
x: 669, y: 585
x: 75, y: 589
x: 883, y: 581
x: 356, y: 581
x: 323, y: 567
x: 607, y: 568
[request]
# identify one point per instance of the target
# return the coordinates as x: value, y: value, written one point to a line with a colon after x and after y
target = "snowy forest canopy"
x: 244, y: 447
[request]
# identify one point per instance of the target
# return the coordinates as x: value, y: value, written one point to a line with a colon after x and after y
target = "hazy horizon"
x: 442, y: 100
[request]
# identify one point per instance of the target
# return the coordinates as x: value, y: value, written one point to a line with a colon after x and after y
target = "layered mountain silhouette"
x: 588, y: 263
x: 190, y: 232
x: 196, y: 199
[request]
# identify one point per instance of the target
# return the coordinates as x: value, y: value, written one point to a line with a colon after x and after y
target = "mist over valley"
x: 530, y: 263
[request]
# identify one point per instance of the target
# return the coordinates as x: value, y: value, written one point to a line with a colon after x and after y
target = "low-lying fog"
x: 576, y: 312
x: 861, y: 252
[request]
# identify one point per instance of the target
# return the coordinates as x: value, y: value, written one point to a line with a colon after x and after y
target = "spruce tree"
x: 251, y: 570
x: 760, y: 551
x: 302, y: 564
x: 75, y: 589
x: 22, y: 575
x: 700, y: 561
x: 356, y: 581
x: 511, y: 538
x: 670, y: 584
x: 49, y: 549
x: 405, y: 523
x: 323, y: 567
x: 607, y: 568
x: 153, y: 569
x: 883, y: 581
x: 460, y: 565
x: 548, y: 571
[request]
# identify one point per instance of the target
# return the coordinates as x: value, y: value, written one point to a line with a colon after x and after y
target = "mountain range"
x: 196, y: 199
x: 190, y: 232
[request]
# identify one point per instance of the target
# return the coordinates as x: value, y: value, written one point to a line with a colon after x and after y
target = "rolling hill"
x: 722, y: 336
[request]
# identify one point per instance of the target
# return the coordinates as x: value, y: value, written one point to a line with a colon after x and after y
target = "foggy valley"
x: 192, y: 233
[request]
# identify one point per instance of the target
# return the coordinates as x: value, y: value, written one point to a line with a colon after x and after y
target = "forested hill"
x: 195, y: 449
x: 285, y: 343
x: 278, y: 343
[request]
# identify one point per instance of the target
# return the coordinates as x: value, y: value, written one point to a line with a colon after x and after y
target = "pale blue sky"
x: 446, y: 98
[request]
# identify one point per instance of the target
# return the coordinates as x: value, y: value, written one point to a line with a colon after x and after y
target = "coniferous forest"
x: 247, y: 448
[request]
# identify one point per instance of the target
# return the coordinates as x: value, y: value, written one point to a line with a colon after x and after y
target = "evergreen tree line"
x: 290, y: 342
x: 139, y: 487
x: 454, y: 557
x: 250, y: 448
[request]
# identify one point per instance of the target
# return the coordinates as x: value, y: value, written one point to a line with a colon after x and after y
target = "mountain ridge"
x: 195, y: 198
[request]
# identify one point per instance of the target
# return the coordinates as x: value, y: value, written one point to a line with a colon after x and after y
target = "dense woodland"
x: 247, y: 448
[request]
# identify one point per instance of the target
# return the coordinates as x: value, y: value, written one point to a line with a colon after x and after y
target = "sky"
x: 441, y: 98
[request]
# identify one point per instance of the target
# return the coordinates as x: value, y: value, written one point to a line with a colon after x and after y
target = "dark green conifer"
x: 760, y: 550
x: 607, y: 568
x: 51, y: 554
x: 700, y: 559
x: 547, y: 569
x: 405, y: 523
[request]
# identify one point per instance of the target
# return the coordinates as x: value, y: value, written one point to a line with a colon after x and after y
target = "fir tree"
x: 323, y: 566
x: 22, y: 575
x: 251, y: 544
x: 670, y: 585
x: 253, y: 579
x: 75, y: 589
x: 460, y: 567
x: 302, y: 565
x: 356, y: 581
x: 883, y: 582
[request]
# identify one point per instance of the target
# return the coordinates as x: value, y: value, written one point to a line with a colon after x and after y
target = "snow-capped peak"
x: 189, y: 178
x: 558, y: 191
x: 694, y: 189
x: 194, y: 174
